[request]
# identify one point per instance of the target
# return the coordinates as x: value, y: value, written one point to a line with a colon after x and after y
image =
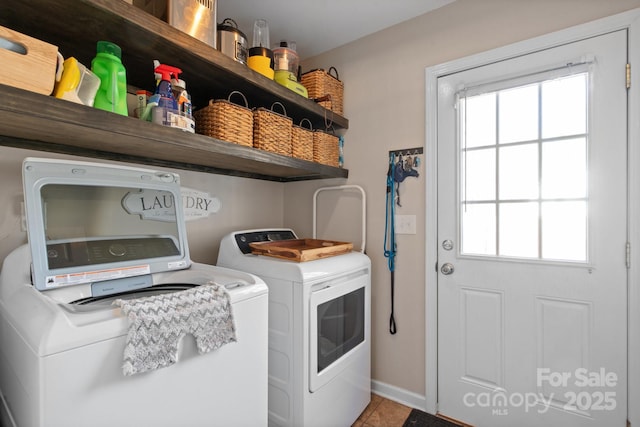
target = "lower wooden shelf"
x: 44, y: 123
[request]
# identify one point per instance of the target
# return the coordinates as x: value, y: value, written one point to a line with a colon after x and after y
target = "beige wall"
x: 239, y: 198
x: 384, y: 77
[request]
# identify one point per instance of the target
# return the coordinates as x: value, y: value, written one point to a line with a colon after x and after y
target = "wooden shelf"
x: 48, y: 124
x: 45, y: 123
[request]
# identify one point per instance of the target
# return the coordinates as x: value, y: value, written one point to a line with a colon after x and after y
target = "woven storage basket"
x: 272, y: 131
x: 222, y: 119
x: 302, y: 141
x: 321, y: 84
x: 326, y: 149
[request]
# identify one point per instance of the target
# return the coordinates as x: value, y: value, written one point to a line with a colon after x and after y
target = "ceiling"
x: 318, y: 26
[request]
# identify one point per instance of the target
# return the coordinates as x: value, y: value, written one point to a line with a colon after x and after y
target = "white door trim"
x: 628, y: 20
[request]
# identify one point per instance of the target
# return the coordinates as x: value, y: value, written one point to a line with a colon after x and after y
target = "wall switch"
x: 405, y: 224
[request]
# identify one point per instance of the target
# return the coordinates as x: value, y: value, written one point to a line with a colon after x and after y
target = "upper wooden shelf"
x: 75, y: 26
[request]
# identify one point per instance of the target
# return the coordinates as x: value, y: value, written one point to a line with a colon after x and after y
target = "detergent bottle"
x: 166, y: 111
x: 107, y: 65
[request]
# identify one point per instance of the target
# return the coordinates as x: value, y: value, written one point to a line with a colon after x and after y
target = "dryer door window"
x: 337, y: 328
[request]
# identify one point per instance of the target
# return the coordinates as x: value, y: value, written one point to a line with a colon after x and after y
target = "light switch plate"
x: 405, y: 224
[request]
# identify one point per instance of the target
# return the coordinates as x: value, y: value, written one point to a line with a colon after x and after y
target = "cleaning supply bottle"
x: 107, y: 65
x: 181, y: 95
x: 164, y: 85
x: 183, y: 98
x: 166, y: 110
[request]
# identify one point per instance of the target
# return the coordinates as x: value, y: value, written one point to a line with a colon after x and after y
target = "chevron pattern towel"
x: 157, y: 323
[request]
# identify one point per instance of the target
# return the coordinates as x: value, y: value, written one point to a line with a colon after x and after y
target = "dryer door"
x: 337, y: 327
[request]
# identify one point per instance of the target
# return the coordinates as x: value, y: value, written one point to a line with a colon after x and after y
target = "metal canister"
x: 194, y: 17
x: 231, y: 41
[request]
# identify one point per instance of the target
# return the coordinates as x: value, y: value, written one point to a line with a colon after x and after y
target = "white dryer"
x: 319, y: 331
x: 98, y: 233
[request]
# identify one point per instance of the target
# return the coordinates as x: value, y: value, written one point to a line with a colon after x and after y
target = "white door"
x: 532, y: 232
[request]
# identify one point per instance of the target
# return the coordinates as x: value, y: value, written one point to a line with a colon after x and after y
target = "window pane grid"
x: 530, y: 176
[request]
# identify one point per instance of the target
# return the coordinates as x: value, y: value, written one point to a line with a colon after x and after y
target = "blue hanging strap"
x: 390, y: 236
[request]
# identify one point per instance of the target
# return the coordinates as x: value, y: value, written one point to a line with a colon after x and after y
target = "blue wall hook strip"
x: 390, y: 247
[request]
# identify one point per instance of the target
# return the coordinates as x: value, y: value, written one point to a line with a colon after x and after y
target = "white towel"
x: 157, y: 323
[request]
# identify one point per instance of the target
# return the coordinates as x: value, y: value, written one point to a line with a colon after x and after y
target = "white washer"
x: 61, y: 340
x: 319, y: 331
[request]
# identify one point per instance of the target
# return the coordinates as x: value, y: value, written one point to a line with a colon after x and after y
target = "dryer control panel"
x: 243, y: 239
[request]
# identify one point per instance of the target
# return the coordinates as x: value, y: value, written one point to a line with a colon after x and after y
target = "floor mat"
x: 422, y: 419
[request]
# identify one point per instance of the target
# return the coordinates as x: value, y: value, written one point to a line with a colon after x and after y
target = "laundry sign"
x: 151, y: 204
x: 198, y: 204
x: 160, y: 205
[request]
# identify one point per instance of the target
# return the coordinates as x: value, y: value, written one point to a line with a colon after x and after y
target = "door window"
x: 523, y: 166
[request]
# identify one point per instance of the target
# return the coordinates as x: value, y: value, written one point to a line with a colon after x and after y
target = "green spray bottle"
x: 112, y: 94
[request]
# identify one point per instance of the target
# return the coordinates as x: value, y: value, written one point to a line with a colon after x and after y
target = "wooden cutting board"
x: 301, y: 250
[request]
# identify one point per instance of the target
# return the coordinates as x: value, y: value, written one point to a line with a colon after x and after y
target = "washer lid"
x: 90, y: 222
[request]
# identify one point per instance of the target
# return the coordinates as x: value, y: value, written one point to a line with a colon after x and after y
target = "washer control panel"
x: 77, y: 253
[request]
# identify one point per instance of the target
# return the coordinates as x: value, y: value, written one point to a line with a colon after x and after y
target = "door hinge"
x: 628, y: 75
x: 628, y: 254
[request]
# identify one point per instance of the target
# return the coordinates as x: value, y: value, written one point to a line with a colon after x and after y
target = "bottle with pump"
x: 107, y: 65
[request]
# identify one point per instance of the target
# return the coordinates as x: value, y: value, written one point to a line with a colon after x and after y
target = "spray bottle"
x: 166, y: 110
x: 164, y: 86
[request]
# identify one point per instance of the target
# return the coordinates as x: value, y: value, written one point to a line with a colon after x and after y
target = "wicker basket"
x: 302, y: 141
x: 222, y: 119
x: 321, y: 84
x: 326, y: 149
x: 272, y: 131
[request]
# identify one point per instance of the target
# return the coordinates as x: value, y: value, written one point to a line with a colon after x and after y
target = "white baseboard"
x: 399, y: 395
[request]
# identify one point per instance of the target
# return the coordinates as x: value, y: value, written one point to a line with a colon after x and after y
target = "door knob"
x: 447, y: 268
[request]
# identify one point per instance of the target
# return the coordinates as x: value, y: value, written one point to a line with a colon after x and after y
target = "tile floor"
x: 383, y: 412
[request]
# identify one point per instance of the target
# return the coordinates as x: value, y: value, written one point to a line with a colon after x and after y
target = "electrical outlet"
x: 405, y: 224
